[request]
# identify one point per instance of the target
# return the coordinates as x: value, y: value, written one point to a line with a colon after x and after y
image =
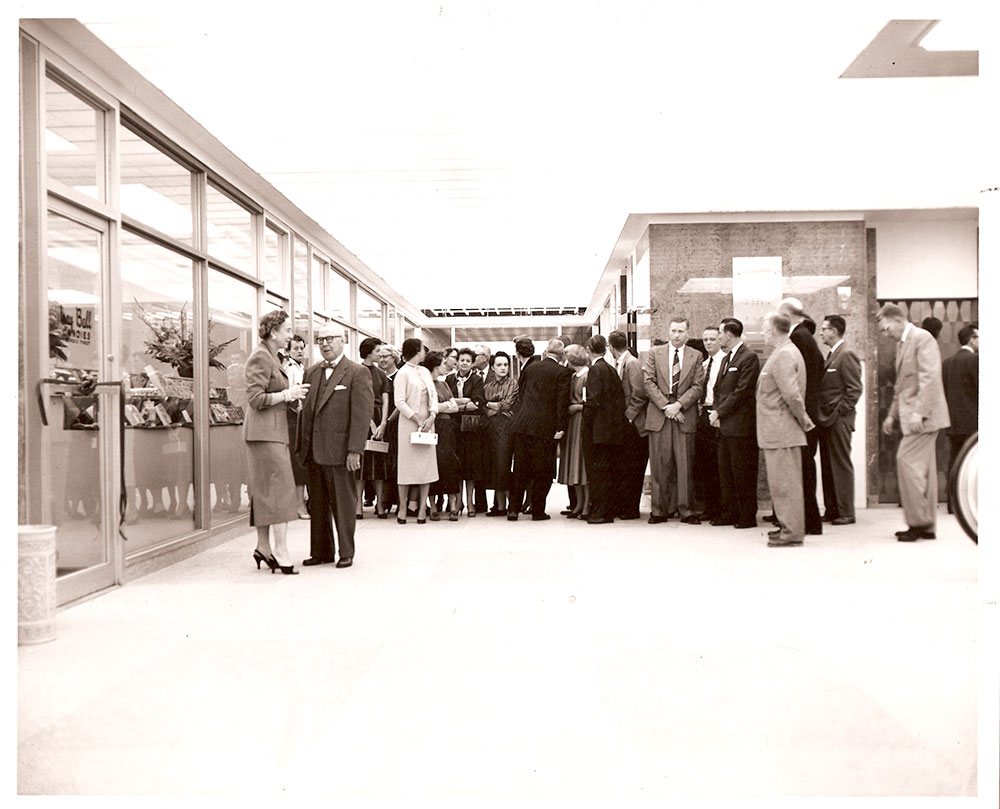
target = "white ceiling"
x: 488, y: 154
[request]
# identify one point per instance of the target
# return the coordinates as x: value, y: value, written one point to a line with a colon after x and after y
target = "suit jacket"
x: 634, y: 390
x: 542, y: 399
x: 735, y: 401
x: 266, y: 417
x: 604, y: 408
x: 474, y: 388
x: 960, y: 377
x: 782, y: 419
x: 656, y: 373
x: 515, y: 368
x: 840, y: 388
x: 918, y: 389
x: 341, y: 412
x: 804, y: 341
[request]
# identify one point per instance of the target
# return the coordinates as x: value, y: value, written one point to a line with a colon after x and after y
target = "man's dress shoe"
x: 316, y: 560
x: 345, y: 562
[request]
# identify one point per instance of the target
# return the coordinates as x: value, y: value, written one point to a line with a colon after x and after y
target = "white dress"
x: 416, y: 397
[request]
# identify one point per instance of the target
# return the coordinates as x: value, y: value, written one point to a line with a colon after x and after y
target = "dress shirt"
x: 716, y: 360
x: 329, y: 365
x: 906, y: 332
x: 620, y: 363
x: 836, y: 345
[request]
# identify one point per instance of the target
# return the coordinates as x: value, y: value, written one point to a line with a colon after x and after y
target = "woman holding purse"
x: 417, y: 403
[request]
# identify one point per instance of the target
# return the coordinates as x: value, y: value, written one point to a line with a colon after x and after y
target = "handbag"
x: 371, y: 445
x: 421, y: 437
x: 471, y: 423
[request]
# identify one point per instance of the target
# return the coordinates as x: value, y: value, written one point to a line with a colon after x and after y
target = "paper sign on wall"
x: 756, y: 290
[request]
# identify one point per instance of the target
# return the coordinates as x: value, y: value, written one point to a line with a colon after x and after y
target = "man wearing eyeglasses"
x: 333, y: 428
x: 920, y: 408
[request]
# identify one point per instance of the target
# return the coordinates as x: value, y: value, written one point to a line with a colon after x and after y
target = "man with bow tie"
x: 333, y: 428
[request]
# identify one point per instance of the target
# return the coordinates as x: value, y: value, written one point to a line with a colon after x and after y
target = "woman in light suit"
x: 417, y: 402
x: 273, y: 501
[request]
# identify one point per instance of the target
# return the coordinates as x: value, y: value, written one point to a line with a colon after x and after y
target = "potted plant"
x: 173, y: 342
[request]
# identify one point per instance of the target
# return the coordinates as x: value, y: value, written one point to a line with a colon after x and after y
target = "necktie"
x: 708, y: 377
x: 675, y: 369
x: 329, y: 363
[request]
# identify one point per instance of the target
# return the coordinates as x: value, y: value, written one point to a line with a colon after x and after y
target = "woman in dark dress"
x: 373, y: 467
x: 501, y: 395
x: 449, y: 482
x: 467, y: 390
x: 292, y: 366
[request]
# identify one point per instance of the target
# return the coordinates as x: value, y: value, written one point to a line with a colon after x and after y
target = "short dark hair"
x: 448, y: 351
x: 682, y: 319
x: 411, y: 348
x: 432, y: 360
x: 890, y: 311
x: 468, y: 352
x: 597, y: 344
x: 732, y: 326
x: 298, y: 338
x: 933, y: 325
x: 368, y: 345
x: 271, y: 321
x: 618, y: 339
x: 966, y: 333
x: 837, y: 323
x: 503, y: 354
x: 524, y: 346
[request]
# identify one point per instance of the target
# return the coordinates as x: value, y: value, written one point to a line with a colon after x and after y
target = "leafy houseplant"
x: 173, y: 342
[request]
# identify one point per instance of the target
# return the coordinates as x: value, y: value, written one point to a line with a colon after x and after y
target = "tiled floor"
x: 491, y: 661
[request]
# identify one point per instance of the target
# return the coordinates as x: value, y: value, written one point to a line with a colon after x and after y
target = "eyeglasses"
x: 321, y: 340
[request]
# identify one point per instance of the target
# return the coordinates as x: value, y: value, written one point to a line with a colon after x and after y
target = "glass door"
x: 78, y: 441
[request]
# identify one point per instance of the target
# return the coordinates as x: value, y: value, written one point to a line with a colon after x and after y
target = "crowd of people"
x: 429, y: 434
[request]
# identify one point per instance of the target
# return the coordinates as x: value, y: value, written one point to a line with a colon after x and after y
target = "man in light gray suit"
x: 674, y: 379
x: 782, y: 424
x: 920, y: 407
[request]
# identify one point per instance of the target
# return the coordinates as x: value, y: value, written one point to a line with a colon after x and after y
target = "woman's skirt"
x: 416, y: 463
x: 449, y: 473
x: 572, y: 469
x: 500, y: 445
x: 471, y: 448
x: 272, y: 485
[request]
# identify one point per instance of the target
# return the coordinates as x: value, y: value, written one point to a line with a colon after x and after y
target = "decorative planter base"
x: 36, y: 583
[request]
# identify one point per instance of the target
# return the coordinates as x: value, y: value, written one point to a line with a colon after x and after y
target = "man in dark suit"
x: 801, y: 335
x: 960, y: 377
x: 635, y: 447
x: 538, y: 423
x: 706, y: 439
x: 524, y: 354
x: 735, y: 415
x: 603, y: 431
x: 674, y: 379
x: 333, y: 428
x: 839, y: 393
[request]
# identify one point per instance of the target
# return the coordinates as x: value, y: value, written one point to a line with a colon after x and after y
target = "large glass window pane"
x: 230, y: 340
x: 300, y: 269
x: 155, y: 189
x: 230, y: 231
x: 71, y: 140
x: 157, y: 342
x: 319, y: 269
x: 369, y: 313
x: 70, y: 440
x: 390, y: 333
x: 338, y: 297
x: 275, y: 259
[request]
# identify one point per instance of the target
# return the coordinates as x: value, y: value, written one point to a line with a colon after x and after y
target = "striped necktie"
x: 675, y: 369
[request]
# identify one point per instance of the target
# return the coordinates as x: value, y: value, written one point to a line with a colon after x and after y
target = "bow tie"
x: 329, y: 363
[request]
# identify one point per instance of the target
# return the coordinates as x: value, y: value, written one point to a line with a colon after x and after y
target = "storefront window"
x: 230, y: 340
x: 275, y: 259
x: 71, y: 439
x: 230, y: 231
x: 390, y: 331
x: 369, y: 313
x: 301, y: 294
x: 73, y: 135
x: 319, y: 268
x: 155, y: 189
x: 157, y: 350
x: 338, y: 296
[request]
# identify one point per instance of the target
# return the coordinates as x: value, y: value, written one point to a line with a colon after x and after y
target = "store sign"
x: 756, y: 290
x: 77, y: 323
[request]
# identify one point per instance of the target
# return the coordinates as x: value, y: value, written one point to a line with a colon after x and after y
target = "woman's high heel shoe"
x: 288, y: 571
x: 267, y: 560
